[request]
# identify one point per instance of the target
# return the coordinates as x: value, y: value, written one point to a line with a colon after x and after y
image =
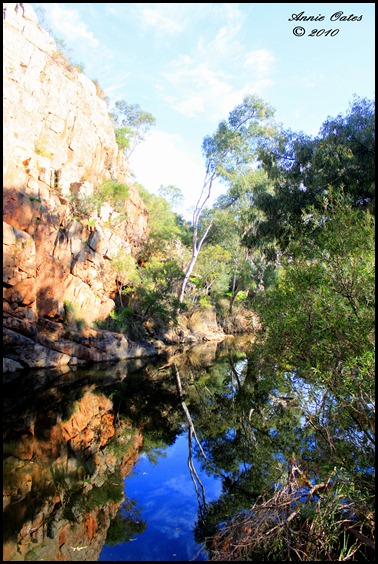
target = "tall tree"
x: 232, y: 147
x: 304, y: 169
x: 236, y: 217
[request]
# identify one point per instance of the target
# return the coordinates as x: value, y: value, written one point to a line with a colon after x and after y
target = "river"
x: 68, y: 434
x: 163, y: 459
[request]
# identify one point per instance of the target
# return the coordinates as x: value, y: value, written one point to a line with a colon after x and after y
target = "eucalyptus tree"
x: 131, y: 124
x: 233, y: 147
x: 302, y: 169
x: 212, y: 272
x: 237, y: 216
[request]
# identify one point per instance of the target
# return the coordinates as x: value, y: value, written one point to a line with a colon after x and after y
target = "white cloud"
x: 213, y: 89
x: 219, y: 71
x: 225, y: 42
x: 196, y: 88
x: 69, y: 24
x: 162, y: 160
x: 163, y: 18
x: 260, y: 61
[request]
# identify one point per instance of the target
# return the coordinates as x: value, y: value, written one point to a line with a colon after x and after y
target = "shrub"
x: 71, y: 320
x: 112, y: 192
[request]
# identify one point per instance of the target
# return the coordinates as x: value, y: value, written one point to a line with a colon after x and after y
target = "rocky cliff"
x: 59, y: 146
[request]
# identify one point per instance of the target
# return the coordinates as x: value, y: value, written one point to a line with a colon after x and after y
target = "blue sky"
x: 191, y: 64
x: 166, y: 498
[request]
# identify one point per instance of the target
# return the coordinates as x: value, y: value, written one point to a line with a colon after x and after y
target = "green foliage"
x: 101, y: 496
x: 112, y: 192
x: 234, y: 144
x: 231, y: 150
x: 161, y: 219
x: 83, y: 205
x: 125, y: 319
x: 131, y: 125
x: 71, y: 320
x: 108, y: 191
x: 126, y: 269
x: 157, y: 299
x: 165, y: 231
x: 235, y: 217
x: 125, y: 525
x: 321, y: 318
x: 172, y: 194
x: 322, y: 308
x: 213, y: 270
x: 303, y: 170
x: 69, y: 311
x: 123, y: 137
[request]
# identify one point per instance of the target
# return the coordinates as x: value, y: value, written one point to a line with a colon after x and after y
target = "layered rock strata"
x: 59, y: 145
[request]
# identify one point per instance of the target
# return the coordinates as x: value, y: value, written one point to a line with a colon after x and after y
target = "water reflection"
x: 144, y: 462
x: 70, y: 438
x: 168, y: 505
x: 65, y: 457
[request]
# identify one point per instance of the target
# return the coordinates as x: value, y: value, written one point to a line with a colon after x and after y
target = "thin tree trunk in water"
x: 193, y: 472
x: 191, y: 433
x: 186, y: 410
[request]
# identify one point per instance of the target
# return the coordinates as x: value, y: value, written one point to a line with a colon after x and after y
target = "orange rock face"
x: 59, y: 145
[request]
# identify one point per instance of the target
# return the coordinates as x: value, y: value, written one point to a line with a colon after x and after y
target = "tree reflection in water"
x: 200, y: 490
x: 290, y: 469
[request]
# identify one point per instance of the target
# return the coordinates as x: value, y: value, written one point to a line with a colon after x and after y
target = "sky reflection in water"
x: 167, y: 501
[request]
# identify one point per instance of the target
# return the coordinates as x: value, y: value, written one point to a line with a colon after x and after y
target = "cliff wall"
x: 59, y: 146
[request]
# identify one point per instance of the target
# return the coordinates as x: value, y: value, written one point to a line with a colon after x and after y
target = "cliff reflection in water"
x: 65, y: 457
x: 69, y: 440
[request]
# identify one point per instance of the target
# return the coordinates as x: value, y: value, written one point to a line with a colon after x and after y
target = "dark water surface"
x: 104, y: 463
x: 182, y: 457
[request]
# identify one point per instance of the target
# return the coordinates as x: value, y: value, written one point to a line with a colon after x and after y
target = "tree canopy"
x: 131, y: 125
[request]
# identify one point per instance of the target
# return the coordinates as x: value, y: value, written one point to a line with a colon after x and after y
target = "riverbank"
x: 51, y: 344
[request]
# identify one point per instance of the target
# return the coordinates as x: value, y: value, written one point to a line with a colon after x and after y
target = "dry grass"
x: 300, y: 522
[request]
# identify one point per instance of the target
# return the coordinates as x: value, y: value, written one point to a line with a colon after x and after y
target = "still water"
x: 105, y: 463
x: 165, y: 494
x: 148, y: 459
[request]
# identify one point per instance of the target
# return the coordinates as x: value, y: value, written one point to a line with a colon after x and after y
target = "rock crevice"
x: 59, y: 146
